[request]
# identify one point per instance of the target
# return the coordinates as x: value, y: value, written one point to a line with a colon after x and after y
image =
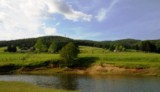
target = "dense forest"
x: 118, y: 45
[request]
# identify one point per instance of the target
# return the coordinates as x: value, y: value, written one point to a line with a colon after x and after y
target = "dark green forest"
x: 119, y: 45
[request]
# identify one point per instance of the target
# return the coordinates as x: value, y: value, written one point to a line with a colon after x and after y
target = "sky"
x: 80, y: 19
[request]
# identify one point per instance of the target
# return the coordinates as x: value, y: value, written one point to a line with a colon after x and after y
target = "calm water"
x: 90, y: 84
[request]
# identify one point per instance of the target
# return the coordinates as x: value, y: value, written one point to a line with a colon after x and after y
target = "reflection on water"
x: 67, y: 82
x: 90, y: 84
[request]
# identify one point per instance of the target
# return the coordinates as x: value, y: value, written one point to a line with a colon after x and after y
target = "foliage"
x: 119, y: 48
x: 39, y: 46
x: 25, y: 44
x: 53, y: 48
x: 148, y: 46
x: 11, y: 48
x: 69, y: 54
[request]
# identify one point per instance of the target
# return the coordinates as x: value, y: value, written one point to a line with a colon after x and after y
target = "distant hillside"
x: 126, y: 43
x: 31, y: 41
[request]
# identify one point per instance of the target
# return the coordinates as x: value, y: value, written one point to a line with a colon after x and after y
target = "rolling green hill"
x: 30, y: 42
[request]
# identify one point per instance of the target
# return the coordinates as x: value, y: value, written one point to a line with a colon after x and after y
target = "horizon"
x: 77, y: 39
x: 79, y: 19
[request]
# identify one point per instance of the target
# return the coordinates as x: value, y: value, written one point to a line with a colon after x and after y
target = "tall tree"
x: 147, y: 46
x: 69, y: 54
x: 39, y: 46
x: 53, y: 48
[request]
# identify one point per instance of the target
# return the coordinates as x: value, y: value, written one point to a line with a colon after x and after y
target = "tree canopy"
x: 11, y: 48
x: 69, y: 54
x: 26, y: 44
x: 147, y: 46
x: 53, y: 48
x: 39, y: 46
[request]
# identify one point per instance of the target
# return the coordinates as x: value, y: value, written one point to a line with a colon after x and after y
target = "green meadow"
x: 88, y: 55
x: 21, y: 59
x: 130, y: 59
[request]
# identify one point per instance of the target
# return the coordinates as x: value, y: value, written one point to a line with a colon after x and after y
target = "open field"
x: 127, y: 59
x: 24, y: 87
x: 89, y: 56
x: 122, y: 59
x: 26, y: 59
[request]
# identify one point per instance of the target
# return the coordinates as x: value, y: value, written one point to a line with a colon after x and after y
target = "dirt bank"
x: 106, y: 69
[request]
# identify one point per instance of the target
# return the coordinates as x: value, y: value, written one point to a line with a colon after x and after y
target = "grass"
x: 13, y: 61
x: 128, y: 59
x: 92, y: 50
x: 122, y: 59
x: 24, y: 87
x: 87, y: 57
x: 26, y: 59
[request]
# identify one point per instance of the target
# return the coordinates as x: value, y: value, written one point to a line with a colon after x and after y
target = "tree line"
x: 58, y: 42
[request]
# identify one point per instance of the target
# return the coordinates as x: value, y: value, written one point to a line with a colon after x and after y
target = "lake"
x: 85, y: 83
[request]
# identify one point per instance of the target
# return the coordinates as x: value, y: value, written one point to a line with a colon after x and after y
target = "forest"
x: 117, y: 45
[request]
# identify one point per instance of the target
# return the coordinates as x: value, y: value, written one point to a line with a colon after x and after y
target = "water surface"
x: 85, y: 83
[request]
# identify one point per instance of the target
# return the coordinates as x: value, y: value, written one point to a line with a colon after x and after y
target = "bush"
x: 11, y: 49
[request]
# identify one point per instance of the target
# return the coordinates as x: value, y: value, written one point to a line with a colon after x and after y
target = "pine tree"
x: 53, y: 48
x: 39, y: 46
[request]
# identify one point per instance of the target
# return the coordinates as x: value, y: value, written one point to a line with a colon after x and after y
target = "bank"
x: 92, y: 61
x: 106, y: 69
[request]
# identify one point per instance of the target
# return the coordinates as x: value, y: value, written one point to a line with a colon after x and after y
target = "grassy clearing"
x: 24, y: 87
x: 92, y: 50
x: 123, y: 59
x: 12, y: 61
x: 128, y: 59
x: 87, y: 57
x: 2, y: 49
x: 26, y: 59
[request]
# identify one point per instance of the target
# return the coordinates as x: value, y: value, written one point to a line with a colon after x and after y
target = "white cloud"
x: 25, y: 18
x: 103, y: 13
x: 50, y: 31
x: 58, y: 6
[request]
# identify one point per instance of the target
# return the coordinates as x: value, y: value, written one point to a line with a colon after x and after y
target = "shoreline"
x: 93, y: 70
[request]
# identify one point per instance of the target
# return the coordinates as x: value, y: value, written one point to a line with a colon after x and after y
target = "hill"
x: 30, y: 42
x: 125, y: 43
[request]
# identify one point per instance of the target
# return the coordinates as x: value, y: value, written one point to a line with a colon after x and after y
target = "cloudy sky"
x: 80, y: 19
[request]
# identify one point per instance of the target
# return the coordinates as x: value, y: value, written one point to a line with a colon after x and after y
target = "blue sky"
x: 80, y: 19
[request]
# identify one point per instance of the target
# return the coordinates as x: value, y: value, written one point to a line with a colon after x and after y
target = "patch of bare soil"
x: 111, y: 69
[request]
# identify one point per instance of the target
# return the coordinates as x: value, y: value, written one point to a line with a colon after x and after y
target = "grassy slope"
x: 128, y: 59
x: 24, y: 87
x: 26, y: 59
x: 101, y: 56
x: 123, y: 59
